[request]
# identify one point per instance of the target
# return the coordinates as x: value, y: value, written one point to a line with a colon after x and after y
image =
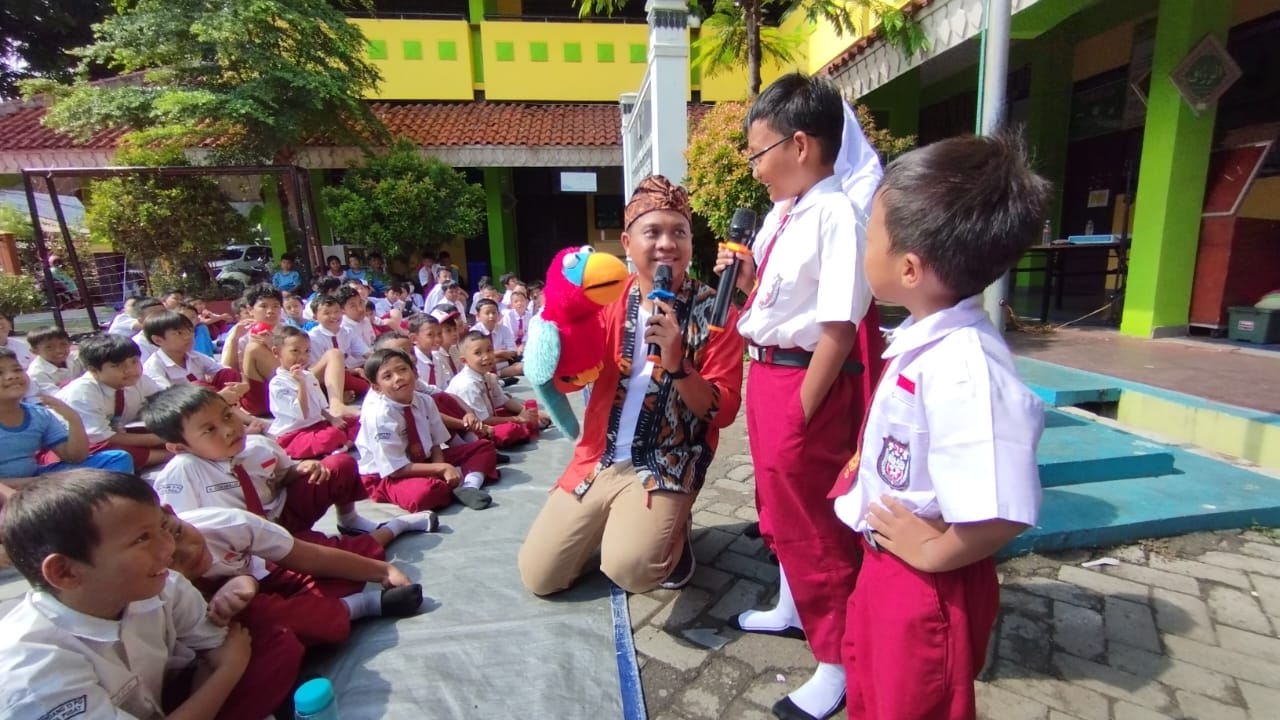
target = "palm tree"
x: 735, y: 33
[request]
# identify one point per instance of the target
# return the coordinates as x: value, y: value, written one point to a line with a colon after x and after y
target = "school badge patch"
x: 894, y: 462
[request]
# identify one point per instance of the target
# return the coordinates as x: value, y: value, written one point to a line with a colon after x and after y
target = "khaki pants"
x: 640, y: 534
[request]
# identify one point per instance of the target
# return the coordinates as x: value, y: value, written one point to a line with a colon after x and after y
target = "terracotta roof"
x: 860, y: 45
x: 428, y: 124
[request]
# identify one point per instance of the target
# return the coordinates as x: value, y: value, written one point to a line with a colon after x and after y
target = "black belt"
x: 795, y: 358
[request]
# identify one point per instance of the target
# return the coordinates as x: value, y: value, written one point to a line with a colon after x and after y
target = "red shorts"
x: 318, y: 440
x: 257, y: 401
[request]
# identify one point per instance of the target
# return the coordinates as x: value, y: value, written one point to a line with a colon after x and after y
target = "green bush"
x: 19, y: 294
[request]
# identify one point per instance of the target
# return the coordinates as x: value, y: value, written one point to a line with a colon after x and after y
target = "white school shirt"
x: 501, y: 337
x: 166, y: 373
x: 426, y: 367
x: 21, y: 350
x: 239, y: 541
x: 48, y: 378
x: 517, y: 324
x: 952, y: 431
x: 354, y: 350
x: 435, y: 297
x: 814, y: 274
x: 383, y: 439
x: 57, y: 663
x: 480, y: 392
x: 447, y: 365
x: 95, y: 403
x: 362, y: 331
x: 282, y: 396
x: 146, y: 346
x: 426, y: 276
x: 188, y: 482
x: 123, y: 324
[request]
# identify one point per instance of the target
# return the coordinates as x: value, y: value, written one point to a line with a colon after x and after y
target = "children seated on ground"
x: 447, y: 358
x: 146, y: 308
x: 444, y: 276
x: 400, y: 439
x: 203, y: 339
x: 176, y: 360
x: 482, y: 292
x: 249, y: 352
x: 425, y: 332
x: 52, y: 367
x: 476, y: 385
x: 517, y: 317
x: 335, y: 268
x: 216, y: 464
x: 506, y: 360
x: 43, y: 436
x: 312, y: 591
x: 286, y: 279
x: 17, y: 346
x: 107, y: 630
x: 172, y: 299
x: 535, y: 288
x: 456, y: 294
x: 302, y: 424
x: 293, y: 313
x: 397, y: 299
x: 947, y: 473
x: 329, y: 334
x: 323, y: 286
x: 126, y: 321
x: 355, y: 316
x: 109, y: 398
x: 376, y: 274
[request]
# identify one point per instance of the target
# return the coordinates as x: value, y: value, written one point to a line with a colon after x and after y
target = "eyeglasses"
x: 755, y: 159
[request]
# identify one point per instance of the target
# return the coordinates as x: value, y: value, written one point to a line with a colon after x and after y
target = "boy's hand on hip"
x: 903, y: 533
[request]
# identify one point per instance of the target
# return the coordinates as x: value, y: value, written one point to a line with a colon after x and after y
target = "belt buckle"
x: 870, y: 537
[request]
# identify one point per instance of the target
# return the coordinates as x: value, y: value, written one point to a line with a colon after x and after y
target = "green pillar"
x: 273, y: 216
x: 323, y: 229
x: 1049, y: 114
x: 504, y: 255
x: 1171, y: 178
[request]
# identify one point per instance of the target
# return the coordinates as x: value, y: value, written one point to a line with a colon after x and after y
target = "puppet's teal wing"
x: 541, y: 356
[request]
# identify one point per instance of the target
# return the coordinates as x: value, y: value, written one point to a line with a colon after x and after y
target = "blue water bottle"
x: 314, y: 700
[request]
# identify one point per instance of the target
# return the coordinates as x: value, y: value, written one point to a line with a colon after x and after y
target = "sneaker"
x: 503, y: 458
x: 682, y: 573
x: 509, y: 381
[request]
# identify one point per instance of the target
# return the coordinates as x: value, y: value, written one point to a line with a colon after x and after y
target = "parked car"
x: 255, y: 254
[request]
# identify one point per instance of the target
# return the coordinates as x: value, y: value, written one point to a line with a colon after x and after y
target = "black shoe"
x: 789, y: 631
x: 503, y: 459
x: 682, y: 573
x: 509, y: 381
x: 787, y: 710
x: 752, y: 531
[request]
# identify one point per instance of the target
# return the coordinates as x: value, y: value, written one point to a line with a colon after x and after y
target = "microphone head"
x: 662, y: 277
x: 743, y: 224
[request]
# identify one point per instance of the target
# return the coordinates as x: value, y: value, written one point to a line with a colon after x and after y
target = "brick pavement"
x: 1184, y: 627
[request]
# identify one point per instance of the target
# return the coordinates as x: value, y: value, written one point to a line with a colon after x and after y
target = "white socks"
x: 781, y: 617
x: 355, y: 521
x: 425, y: 521
x: 473, y: 480
x: 821, y: 695
x: 364, y: 604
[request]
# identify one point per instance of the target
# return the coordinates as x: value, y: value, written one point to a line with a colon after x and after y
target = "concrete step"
x: 1062, y: 386
x: 1201, y: 494
x: 1074, y: 450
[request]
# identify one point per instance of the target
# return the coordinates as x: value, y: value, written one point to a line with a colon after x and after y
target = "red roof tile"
x: 877, y: 33
x: 428, y: 124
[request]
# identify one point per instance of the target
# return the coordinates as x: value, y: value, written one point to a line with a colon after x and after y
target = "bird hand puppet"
x: 565, y: 349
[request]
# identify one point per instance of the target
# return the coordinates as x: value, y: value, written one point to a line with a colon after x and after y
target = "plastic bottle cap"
x: 313, y: 696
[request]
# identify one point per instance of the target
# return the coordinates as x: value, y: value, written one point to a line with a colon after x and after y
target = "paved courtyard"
x: 1182, y: 627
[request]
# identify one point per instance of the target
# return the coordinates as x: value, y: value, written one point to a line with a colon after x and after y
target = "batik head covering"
x: 656, y: 193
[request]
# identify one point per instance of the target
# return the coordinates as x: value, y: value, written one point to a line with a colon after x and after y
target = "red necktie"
x: 431, y: 374
x: 764, y: 262
x: 334, y: 340
x: 414, y: 451
x: 452, y: 365
x: 252, y: 502
x: 120, y: 403
x: 519, y: 330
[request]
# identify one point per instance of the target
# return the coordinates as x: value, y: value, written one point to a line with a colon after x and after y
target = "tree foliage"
x: 735, y: 33
x: 168, y: 223
x: 399, y: 201
x: 36, y: 35
x: 18, y: 223
x: 253, y: 79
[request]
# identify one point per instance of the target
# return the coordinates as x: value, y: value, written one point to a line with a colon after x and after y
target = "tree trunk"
x: 751, y: 13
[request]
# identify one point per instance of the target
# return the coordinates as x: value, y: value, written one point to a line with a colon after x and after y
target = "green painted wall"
x: 504, y: 255
x: 1175, y: 159
x: 1049, y: 113
x: 273, y: 216
x: 900, y: 98
x: 323, y: 229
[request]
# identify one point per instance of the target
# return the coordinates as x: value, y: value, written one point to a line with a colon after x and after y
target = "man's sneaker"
x: 682, y: 573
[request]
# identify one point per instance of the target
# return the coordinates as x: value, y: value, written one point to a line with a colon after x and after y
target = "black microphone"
x: 742, y: 231
x: 661, y: 291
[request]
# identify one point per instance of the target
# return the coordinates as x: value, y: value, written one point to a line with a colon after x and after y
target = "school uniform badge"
x: 894, y: 462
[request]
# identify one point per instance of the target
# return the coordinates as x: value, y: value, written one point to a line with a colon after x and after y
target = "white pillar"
x: 668, y: 80
x: 627, y: 104
x: 995, y: 75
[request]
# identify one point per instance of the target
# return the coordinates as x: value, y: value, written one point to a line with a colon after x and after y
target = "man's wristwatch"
x: 686, y: 368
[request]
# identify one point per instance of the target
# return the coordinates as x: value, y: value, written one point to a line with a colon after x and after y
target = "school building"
x: 1120, y: 100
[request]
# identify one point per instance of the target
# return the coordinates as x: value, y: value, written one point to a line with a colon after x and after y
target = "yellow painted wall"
x: 1105, y: 51
x: 1263, y: 200
x: 1221, y: 432
x: 557, y: 78
x: 441, y: 72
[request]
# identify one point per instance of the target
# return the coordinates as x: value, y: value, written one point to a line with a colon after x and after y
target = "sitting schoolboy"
x: 506, y: 358
x: 126, y: 322
x: 355, y: 313
x: 312, y: 591
x: 216, y: 464
x: 946, y: 473
x: 109, y: 398
x: 400, y: 439
x: 329, y: 334
x: 177, y: 362
x: 42, y: 437
x: 303, y: 425
x: 477, y: 386
x: 107, y: 631
x: 145, y: 309
x: 52, y: 367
